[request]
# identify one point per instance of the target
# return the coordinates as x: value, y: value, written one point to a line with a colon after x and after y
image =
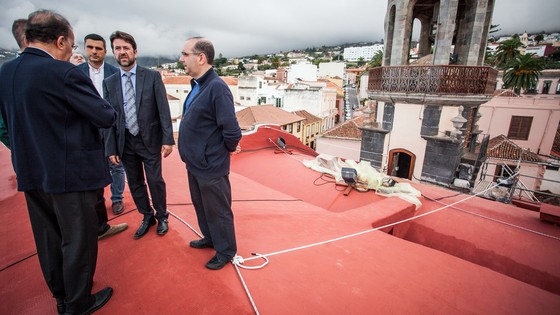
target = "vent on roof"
x: 282, y: 143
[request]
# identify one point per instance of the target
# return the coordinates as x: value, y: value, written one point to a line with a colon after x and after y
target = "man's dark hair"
x: 124, y: 36
x: 203, y: 45
x: 46, y: 26
x: 18, y: 30
x: 95, y: 37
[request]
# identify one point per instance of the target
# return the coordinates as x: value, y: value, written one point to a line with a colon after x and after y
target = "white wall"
x: 343, y: 148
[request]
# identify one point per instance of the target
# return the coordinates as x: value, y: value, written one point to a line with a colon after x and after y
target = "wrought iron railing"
x: 433, y: 79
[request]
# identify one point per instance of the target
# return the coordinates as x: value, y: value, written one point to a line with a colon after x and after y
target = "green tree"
x: 507, y: 51
x: 361, y: 61
x: 523, y: 72
x: 539, y: 38
x: 241, y: 67
x: 275, y: 62
x: 376, y: 60
x: 220, y: 61
x: 180, y: 65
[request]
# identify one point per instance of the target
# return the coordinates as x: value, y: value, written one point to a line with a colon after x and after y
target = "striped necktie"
x: 130, y: 106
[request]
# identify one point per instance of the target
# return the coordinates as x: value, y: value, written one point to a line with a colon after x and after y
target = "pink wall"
x: 497, y: 113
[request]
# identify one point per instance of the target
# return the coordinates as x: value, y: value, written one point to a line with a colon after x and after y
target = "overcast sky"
x: 242, y: 27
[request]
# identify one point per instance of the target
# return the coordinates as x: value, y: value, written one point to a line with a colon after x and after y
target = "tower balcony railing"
x: 437, y: 80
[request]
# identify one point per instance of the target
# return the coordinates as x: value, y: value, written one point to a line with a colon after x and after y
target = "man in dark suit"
x: 18, y: 30
x: 53, y: 115
x: 208, y: 134
x: 143, y: 131
x: 97, y: 70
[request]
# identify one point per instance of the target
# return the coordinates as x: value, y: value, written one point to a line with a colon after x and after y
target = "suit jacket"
x: 52, y: 112
x: 152, y: 110
x: 108, y: 70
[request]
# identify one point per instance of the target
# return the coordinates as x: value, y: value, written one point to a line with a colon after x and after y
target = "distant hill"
x: 7, y: 55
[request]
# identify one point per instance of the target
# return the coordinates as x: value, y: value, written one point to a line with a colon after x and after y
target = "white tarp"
x: 367, y: 178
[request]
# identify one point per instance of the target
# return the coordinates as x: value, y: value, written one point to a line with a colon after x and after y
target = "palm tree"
x: 376, y: 60
x: 523, y: 72
x: 507, y: 51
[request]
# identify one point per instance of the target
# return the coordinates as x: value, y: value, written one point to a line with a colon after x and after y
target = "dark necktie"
x: 130, y: 106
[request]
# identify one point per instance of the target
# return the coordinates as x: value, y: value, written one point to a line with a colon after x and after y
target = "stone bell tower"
x: 427, y: 108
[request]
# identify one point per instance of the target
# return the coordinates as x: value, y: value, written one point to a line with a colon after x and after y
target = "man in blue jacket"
x: 53, y: 115
x: 208, y: 134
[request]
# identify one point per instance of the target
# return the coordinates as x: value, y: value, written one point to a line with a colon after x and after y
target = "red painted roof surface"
x: 480, y: 257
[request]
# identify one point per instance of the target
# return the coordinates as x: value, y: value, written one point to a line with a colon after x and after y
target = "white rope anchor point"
x: 239, y: 261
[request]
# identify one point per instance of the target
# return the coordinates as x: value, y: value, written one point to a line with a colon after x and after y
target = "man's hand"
x: 115, y: 159
x: 166, y: 150
x: 237, y: 150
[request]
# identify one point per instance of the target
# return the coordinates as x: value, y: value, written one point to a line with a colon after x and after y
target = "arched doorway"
x: 401, y: 163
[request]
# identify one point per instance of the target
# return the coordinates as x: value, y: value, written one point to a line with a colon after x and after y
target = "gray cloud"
x: 244, y: 27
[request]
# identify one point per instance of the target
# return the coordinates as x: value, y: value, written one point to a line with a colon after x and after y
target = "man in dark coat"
x: 52, y: 116
x: 208, y: 134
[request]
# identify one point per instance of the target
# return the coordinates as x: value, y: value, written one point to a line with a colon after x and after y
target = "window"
x: 278, y: 102
x: 242, y: 97
x: 298, y: 126
x: 290, y: 128
x: 546, y: 87
x: 307, y: 131
x: 519, y: 127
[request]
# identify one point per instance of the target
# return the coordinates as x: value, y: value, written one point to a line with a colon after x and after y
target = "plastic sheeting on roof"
x: 367, y: 178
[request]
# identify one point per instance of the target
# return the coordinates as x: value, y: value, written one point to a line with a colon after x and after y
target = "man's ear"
x: 60, y: 42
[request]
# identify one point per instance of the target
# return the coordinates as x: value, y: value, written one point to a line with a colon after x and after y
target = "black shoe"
x: 60, y: 306
x: 216, y: 263
x: 201, y: 243
x: 100, y: 299
x: 144, y: 227
x: 162, y: 227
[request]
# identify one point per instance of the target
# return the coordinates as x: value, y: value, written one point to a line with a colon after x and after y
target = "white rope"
x: 246, y: 288
x: 502, y: 222
x: 370, y: 230
x: 238, y: 261
x: 185, y: 223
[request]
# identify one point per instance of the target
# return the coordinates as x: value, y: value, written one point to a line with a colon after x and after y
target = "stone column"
x: 445, y: 30
x: 430, y: 120
x: 425, y: 44
x: 373, y: 142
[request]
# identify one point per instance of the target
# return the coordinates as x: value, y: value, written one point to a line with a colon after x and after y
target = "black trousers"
x: 101, y: 210
x: 212, y: 202
x: 136, y: 160
x: 65, y: 231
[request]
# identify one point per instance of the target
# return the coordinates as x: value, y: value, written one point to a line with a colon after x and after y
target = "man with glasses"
x: 53, y: 115
x: 208, y: 134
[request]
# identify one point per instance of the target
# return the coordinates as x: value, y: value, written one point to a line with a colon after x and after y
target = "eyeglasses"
x: 74, y: 47
x: 186, y: 54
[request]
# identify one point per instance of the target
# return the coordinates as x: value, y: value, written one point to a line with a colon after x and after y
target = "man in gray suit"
x: 143, y: 131
x: 97, y: 70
